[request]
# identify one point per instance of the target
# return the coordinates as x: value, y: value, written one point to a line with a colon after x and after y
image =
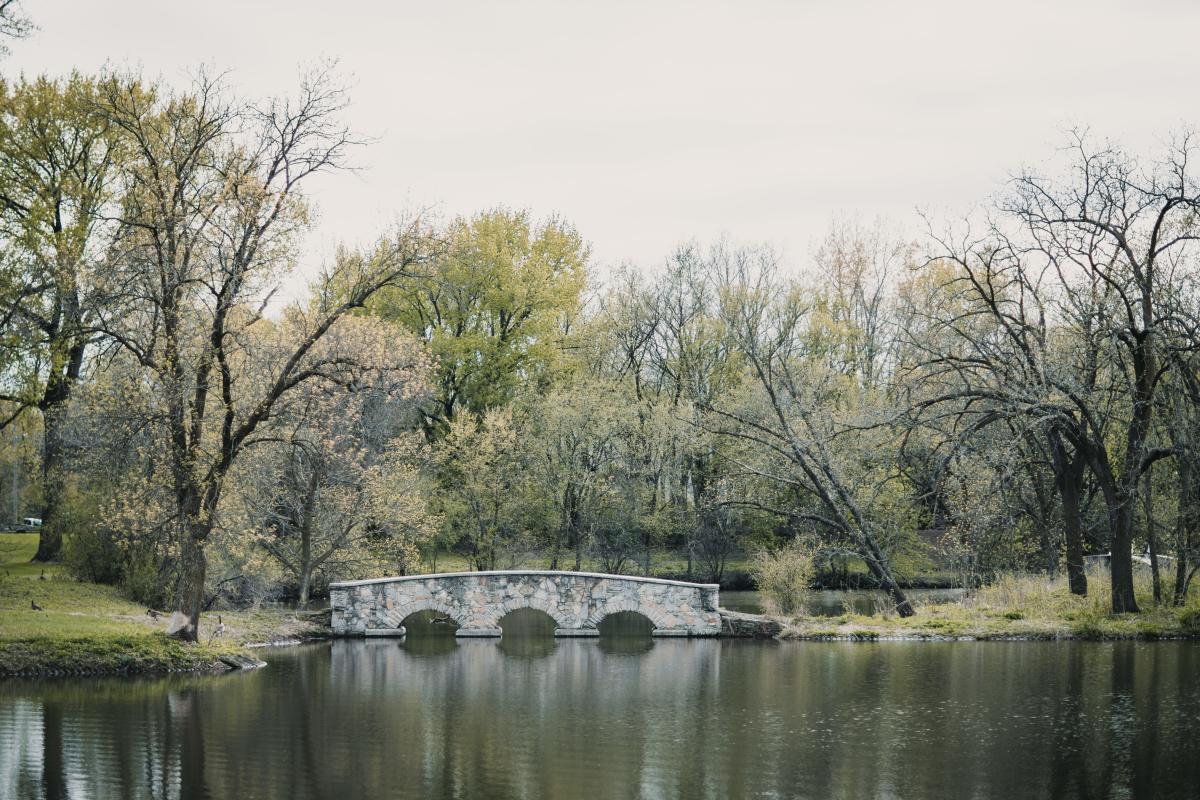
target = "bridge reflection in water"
x: 610, y: 718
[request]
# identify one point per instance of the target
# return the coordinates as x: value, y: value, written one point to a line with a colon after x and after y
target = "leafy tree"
x: 338, y: 488
x: 479, y: 469
x: 494, y: 309
x: 574, y: 437
x: 59, y: 160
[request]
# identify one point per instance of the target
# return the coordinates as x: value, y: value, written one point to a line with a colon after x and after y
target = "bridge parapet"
x: 577, y: 601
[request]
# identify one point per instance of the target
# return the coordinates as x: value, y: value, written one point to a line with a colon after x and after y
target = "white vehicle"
x: 32, y: 522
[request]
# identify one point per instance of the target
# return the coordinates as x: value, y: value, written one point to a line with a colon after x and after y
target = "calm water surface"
x: 624, y: 717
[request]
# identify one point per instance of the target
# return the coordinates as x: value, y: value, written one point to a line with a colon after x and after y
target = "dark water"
x: 624, y: 717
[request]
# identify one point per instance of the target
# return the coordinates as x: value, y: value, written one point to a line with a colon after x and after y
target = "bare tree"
x: 1072, y: 282
x: 211, y: 219
x: 991, y: 357
x: 801, y: 422
x: 14, y: 24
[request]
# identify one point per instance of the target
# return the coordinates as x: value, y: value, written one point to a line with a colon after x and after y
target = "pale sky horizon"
x: 649, y: 124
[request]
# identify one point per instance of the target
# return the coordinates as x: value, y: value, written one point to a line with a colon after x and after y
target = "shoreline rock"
x: 739, y: 625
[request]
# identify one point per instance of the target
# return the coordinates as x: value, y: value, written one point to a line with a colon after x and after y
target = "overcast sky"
x: 648, y: 123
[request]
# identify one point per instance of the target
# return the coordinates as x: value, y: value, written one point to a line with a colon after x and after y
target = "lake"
x: 529, y: 716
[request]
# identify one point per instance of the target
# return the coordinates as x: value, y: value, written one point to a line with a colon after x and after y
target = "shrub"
x: 784, y: 577
x: 147, y: 578
x: 94, y: 556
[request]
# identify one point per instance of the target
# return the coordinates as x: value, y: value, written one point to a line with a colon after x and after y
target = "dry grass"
x: 1018, y: 606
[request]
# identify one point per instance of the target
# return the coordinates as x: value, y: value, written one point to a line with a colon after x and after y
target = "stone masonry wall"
x: 577, y: 601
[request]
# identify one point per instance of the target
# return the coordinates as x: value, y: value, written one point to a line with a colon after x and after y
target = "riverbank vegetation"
x: 1014, y: 606
x: 1016, y: 391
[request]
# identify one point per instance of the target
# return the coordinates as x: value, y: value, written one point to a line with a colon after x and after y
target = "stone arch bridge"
x: 476, y: 601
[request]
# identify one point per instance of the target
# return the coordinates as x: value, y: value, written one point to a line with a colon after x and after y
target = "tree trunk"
x: 1068, y: 474
x: 1072, y: 527
x: 1121, y: 560
x: 1049, y: 552
x: 1120, y: 498
x: 53, y: 406
x: 193, y: 566
x: 305, y: 582
x: 575, y: 530
x: 1186, y: 521
x: 1045, y: 516
x: 1152, y: 539
x: 306, y: 526
x: 1123, y: 599
x: 1179, y: 593
x: 50, y: 535
x: 876, y: 564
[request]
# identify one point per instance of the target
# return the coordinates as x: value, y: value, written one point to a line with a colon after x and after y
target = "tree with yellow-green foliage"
x: 496, y: 309
x: 58, y: 186
x: 480, y: 469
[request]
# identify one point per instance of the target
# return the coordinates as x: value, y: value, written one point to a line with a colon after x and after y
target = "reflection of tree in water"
x: 487, y: 718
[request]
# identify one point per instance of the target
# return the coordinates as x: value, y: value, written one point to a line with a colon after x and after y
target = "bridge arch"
x: 576, y: 601
x: 625, y: 623
x: 527, y: 621
x: 394, y: 617
x: 427, y: 621
x: 657, y: 620
x: 509, y: 606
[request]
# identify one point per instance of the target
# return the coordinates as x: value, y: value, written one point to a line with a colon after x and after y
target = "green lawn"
x: 85, y: 627
x: 72, y: 609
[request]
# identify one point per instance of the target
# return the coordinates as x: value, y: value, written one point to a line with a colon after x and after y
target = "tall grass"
x: 784, y: 577
x: 1038, y: 596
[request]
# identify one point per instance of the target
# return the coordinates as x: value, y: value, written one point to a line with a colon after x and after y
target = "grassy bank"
x: 86, y: 628
x: 1016, y: 607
